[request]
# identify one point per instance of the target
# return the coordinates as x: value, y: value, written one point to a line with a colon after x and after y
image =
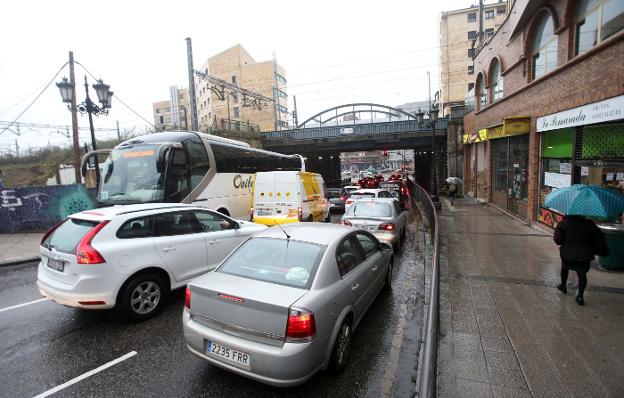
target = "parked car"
x: 131, y: 256
x: 337, y: 198
x: 285, y: 304
x: 281, y: 197
x: 367, y: 193
x: 398, y: 189
x: 384, y: 218
x: 351, y: 188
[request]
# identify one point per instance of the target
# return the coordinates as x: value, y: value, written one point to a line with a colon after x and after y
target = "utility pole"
x: 74, y: 114
x: 118, y: 133
x: 16, y: 149
x: 191, y: 75
x: 295, y: 114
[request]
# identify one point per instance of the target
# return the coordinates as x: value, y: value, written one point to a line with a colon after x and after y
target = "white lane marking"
x: 22, y: 305
x: 85, y: 375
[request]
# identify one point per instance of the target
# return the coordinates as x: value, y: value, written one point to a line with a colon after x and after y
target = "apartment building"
x: 235, y: 112
x: 175, y: 112
x: 459, y: 30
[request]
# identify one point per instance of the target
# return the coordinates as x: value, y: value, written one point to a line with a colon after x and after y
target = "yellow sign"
x: 138, y: 154
x: 510, y: 127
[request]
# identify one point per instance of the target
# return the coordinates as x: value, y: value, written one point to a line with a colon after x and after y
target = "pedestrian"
x: 452, y: 191
x: 579, y: 239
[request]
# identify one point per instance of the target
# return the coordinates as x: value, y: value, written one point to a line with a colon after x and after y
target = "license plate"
x: 264, y: 212
x: 227, y: 353
x: 56, y: 265
x: 367, y: 227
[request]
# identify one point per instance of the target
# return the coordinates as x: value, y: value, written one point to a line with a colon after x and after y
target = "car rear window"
x: 333, y: 194
x: 66, y: 237
x: 369, y: 209
x: 360, y: 195
x: 282, y: 261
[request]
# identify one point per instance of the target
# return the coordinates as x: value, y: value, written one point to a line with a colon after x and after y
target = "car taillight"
x: 52, y: 230
x: 343, y: 198
x: 345, y: 222
x: 301, y: 326
x: 187, y: 298
x: 85, y: 253
x: 349, y: 201
x: 300, y: 214
x: 386, y: 227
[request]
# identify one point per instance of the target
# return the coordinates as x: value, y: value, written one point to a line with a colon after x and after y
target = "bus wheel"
x: 310, y: 219
x: 224, y: 212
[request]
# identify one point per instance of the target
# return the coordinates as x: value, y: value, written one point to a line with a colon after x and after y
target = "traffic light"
x: 385, y: 152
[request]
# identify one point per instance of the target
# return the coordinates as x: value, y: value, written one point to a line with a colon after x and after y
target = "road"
x: 44, y: 345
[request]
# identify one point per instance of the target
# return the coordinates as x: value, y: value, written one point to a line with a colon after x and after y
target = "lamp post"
x: 433, y: 118
x: 105, y: 97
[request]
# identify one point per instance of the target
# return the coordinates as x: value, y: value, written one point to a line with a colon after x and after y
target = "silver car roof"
x: 322, y: 234
x: 107, y: 213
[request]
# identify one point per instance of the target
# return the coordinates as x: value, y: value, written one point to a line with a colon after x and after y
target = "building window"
x: 472, y: 17
x: 280, y: 78
x: 596, y: 20
x: 470, y: 69
x: 489, y: 14
x: 501, y: 11
x: 162, y: 119
x: 544, y: 49
x: 489, y: 31
x: 497, y: 81
x: 234, y: 80
x: 481, y: 92
x: 282, y: 109
x: 236, y: 112
x: 281, y: 94
x: 470, y: 86
x: 471, y: 52
x: 472, y: 35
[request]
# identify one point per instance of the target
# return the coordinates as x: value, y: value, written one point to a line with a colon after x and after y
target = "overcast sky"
x: 334, y: 52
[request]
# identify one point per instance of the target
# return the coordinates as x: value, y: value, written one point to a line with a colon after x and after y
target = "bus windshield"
x: 130, y: 175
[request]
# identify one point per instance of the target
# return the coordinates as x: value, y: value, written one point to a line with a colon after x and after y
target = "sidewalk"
x: 505, y: 330
x: 19, y: 248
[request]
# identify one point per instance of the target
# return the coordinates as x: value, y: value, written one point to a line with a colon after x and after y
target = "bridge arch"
x: 332, y: 114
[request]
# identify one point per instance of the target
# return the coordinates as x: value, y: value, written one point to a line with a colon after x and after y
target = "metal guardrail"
x: 428, y: 373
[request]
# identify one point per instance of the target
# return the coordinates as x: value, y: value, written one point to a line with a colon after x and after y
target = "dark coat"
x: 580, y: 239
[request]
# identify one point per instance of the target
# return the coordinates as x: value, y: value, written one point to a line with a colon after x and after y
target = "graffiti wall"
x: 39, y: 208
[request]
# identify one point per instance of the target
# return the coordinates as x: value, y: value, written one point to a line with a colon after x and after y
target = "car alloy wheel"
x: 145, y: 297
x: 388, y: 284
x: 342, y: 345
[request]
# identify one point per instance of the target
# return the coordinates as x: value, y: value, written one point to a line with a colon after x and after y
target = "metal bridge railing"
x: 428, y: 373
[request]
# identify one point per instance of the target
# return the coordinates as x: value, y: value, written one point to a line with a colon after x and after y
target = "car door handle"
x: 169, y: 249
x: 213, y: 242
x: 354, y: 287
x: 374, y: 268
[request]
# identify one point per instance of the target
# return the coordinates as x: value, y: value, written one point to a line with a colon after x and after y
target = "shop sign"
x: 557, y: 180
x: 598, y: 112
x: 476, y: 136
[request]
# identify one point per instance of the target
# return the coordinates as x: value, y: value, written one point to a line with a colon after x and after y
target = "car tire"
x: 328, y: 218
x: 142, y: 297
x: 310, y: 218
x: 388, y: 279
x: 398, y: 244
x: 340, y: 351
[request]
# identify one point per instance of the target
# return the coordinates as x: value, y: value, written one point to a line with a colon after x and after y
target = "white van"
x: 281, y: 197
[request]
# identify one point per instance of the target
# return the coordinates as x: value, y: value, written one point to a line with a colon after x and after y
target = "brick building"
x: 174, y: 113
x: 548, y: 105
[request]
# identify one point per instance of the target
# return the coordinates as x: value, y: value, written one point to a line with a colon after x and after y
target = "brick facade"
x: 577, y: 80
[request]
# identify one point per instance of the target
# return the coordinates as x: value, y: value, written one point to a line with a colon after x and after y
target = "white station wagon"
x: 131, y: 256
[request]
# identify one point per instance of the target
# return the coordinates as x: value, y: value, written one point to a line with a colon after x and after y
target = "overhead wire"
x: 117, y: 96
x: 34, y: 100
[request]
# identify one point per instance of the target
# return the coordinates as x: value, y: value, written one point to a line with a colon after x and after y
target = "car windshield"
x: 65, y: 238
x: 282, y: 261
x: 129, y: 175
x: 333, y: 194
x: 369, y: 209
x: 360, y: 195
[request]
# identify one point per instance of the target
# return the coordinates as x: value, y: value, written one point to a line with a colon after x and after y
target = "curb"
x: 20, y: 261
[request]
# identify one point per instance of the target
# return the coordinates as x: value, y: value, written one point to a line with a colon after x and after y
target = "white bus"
x: 185, y: 167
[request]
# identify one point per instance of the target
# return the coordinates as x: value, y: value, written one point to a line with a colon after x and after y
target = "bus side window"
x: 198, y: 160
x: 177, y: 178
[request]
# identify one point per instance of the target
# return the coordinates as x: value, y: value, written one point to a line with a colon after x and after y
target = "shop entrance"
x: 510, y: 160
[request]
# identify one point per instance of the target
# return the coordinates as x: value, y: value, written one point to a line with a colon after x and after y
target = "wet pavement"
x: 505, y: 330
x: 44, y: 345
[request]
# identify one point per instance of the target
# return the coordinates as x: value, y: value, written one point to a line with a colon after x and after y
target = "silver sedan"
x: 284, y: 304
x: 384, y: 218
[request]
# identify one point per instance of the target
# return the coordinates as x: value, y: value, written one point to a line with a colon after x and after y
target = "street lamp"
x: 105, y: 97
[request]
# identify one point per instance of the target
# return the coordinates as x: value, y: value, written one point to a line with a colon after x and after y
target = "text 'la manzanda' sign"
x: 598, y: 112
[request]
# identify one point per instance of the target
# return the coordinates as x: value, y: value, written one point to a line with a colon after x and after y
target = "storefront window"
x: 510, y: 159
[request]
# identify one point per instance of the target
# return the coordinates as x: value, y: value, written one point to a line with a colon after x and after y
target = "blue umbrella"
x: 586, y: 200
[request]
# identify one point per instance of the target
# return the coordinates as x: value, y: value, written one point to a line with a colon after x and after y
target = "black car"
x: 398, y: 189
x: 337, y: 198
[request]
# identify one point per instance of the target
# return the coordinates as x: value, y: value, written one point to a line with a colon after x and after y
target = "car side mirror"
x: 235, y: 225
x: 385, y: 246
x: 395, y: 194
